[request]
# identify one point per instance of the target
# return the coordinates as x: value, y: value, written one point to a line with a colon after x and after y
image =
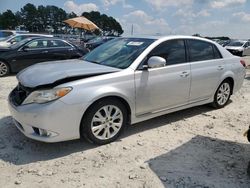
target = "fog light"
x: 44, y: 132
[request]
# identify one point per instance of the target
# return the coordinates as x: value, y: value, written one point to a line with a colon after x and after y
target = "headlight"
x: 43, y: 96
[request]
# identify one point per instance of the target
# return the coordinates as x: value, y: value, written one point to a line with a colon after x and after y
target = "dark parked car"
x: 91, y: 44
x: 34, y: 50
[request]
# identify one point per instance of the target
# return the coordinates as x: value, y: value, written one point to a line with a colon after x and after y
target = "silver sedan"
x: 126, y: 80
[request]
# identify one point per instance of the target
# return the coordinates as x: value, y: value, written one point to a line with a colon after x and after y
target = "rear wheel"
x: 222, y: 94
x: 104, y: 121
x: 4, y: 69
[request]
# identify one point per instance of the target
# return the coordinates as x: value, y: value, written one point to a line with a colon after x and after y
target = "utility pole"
x: 132, y: 30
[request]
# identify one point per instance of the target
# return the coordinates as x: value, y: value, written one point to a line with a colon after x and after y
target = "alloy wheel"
x: 3, y: 69
x: 223, y: 93
x: 107, y: 122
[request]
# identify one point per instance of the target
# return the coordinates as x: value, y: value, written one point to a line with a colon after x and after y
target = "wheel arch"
x: 8, y: 64
x: 231, y: 81
x: 114, y: 97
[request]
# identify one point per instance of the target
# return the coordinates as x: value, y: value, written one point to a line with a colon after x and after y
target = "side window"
x: 19, y: 38
x: 38, y: 44
x: 173, y: 51
x: 57, y: 43
x: 200, y: 50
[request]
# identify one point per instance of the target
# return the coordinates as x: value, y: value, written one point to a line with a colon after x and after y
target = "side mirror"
x: 12, y: 42
x: 25, y: 48
x: 156, y: 62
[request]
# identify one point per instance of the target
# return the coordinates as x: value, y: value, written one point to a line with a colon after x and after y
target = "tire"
x: 104, y: 121
x: 248, y: 135
x: 4, y: 69
x: 222, y: 94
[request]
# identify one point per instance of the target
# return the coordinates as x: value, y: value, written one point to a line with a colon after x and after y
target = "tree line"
x: 50, y: 19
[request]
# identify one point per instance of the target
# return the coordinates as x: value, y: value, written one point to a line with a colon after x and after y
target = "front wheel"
x: 104, y: 121
x: 222, y: 94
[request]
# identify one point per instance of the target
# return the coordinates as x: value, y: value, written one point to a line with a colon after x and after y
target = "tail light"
x: 243, y: 63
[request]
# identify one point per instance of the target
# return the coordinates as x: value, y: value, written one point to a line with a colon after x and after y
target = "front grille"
x: 19, y: 94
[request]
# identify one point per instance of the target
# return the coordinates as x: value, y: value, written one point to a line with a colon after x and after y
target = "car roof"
x: 45, y: 37
x: 31, y: 34
x: 169, y: 37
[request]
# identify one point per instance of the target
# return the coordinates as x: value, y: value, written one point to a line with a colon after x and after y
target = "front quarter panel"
x: 87, y: 91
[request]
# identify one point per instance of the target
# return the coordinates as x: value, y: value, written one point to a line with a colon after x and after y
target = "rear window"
x: 217, y: 54
x: 201, y: 51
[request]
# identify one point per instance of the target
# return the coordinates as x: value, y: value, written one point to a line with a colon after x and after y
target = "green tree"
x: 8, y: 20
x: 50, y: 18
x: 29, y: 16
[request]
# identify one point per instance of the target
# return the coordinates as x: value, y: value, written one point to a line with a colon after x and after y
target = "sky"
x: 162, y: 17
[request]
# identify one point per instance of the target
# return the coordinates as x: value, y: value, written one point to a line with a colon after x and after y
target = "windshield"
x: 118, y: 53
x: 236, y: 43
x: 19, y: 44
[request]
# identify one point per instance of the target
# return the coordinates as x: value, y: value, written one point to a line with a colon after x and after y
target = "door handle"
x: 71, y: 49
x: 45, y: 52
x: 184, y: 74
x: 220, y: 68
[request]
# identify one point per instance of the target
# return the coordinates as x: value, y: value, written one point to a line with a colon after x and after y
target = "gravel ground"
x: 197, y: 147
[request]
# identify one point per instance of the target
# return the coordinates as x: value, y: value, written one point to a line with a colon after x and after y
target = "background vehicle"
x: 91, y: 44
x: 239, y: 47
x: 224, y: 42
x: 17, y: 38
x: 125, y: 80
x: 34, y: 50
x: 7, y: 33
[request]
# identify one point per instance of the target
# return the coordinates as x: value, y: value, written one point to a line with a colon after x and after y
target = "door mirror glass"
x: 156, y: 62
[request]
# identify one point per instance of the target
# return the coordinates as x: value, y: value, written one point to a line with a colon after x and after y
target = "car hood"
x: 234, y: 48
x: 47, y: 73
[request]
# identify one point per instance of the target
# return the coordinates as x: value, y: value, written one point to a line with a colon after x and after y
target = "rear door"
x: 60, y: 50
x: 207, y: 66
x: 166, y: 87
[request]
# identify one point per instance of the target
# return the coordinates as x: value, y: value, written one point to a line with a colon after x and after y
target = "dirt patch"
x: 197, y: 147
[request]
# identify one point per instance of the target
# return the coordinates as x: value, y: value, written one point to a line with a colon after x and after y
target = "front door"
x: 36, y: 51
x: 165, y: 87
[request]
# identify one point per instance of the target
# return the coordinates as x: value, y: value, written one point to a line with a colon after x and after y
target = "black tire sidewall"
x: 215, y: 103
x: 85, y: 130
x: 248, y: 135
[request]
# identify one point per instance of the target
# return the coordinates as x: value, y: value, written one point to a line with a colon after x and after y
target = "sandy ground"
x: 197, y: 147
